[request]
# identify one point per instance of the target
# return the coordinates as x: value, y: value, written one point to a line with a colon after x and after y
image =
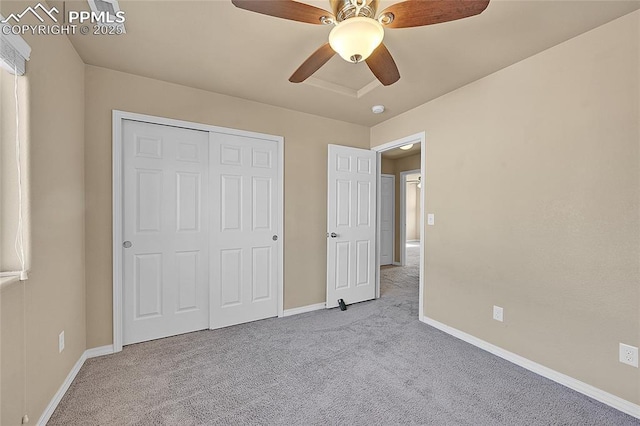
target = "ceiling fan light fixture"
x: 406, y: 147
x: 355, y: 39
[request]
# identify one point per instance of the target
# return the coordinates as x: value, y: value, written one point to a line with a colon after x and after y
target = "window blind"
x: 14, y: 51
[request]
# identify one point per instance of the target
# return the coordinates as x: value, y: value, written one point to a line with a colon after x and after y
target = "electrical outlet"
x: 498, y: 313
x: 61, y: 342
x: 629, y: 355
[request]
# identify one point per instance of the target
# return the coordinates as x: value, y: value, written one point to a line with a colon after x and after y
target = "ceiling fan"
x: 359, y: 29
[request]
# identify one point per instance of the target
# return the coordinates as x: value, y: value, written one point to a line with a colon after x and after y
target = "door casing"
x: 418, y: 138
x: 118, y: 193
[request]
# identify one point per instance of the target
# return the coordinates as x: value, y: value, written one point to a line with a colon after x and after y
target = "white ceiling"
x: 214, y: 46
x: 394, y: 154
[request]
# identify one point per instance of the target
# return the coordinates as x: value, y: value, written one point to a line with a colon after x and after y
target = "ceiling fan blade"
x: 383, y: 66
x: 416, y: 13
x: 312, y: 64
x: 286, y: 9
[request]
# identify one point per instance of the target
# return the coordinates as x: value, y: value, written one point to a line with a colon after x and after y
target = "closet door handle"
x: 127, y: 244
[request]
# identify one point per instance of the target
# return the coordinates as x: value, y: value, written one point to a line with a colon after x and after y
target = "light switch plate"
x: 431, y: 219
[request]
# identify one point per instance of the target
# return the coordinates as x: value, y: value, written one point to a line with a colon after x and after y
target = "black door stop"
x: 343, y: 307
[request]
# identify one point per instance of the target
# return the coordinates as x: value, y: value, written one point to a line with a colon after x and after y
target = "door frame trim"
x: 416, y: 138
x: 118, y: 204
x: 393, y: 214
x: 403, y: 214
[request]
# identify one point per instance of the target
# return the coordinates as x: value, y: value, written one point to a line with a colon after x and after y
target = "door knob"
x: 334, y: 235
x: 127, y: 244
x: 275, y: 238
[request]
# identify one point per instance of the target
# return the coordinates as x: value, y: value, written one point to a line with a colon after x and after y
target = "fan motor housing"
x: 344, y: 9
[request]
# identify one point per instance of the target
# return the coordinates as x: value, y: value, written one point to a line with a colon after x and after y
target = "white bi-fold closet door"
x: 166, y: 231
x: 200, y: 230
x: 245, y: 231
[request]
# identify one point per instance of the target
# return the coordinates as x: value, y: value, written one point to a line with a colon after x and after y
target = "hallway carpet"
x: 374, y: 364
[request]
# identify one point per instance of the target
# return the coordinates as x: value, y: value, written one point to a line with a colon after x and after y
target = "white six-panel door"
x: 245, y: 229
x: 165, y: 230
x: 387, y: 223
x: 351, y: 225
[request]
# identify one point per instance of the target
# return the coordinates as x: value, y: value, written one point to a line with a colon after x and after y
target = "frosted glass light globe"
x: 355, y: 39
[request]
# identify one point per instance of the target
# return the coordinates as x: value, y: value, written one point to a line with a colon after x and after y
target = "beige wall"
x: 395, y: 167
x: 533, y: 174
x: 387, y: 166
x: 33, y: 313
x: 306, y: 139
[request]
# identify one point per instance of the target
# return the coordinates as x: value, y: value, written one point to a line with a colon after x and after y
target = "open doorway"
x: 401, y: 164
x: 409, y: 213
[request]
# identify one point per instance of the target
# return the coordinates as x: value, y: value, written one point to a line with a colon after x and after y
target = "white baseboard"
x: 303, y: 309
x: 397, y: 264
x: 591, y: 391
x: 99, y: 351
x: 53, y: 404
x: 48, y: 412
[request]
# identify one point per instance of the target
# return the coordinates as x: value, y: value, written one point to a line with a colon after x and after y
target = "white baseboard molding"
x: 99, y: 351
x: 53, y: 404
x: 48, y: 412
x: 303, y: 309
x: 397, y: 264
x: 591, y: 391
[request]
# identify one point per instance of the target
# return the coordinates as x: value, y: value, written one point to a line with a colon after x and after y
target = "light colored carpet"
x: 374, y: 364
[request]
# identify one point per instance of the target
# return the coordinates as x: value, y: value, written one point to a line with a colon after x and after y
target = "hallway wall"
x: 395, y: 167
